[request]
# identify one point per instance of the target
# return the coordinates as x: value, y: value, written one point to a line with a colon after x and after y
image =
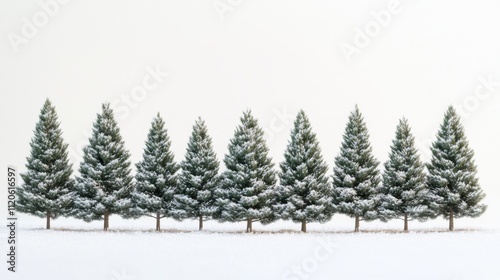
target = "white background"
x: 273, y: 57
x: 268, y: 56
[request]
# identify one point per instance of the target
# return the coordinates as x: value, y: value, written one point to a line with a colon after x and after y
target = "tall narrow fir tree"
x: 156, y: 179
x: 248, y: 185
x: 304, y: 194
x: 452, y: 173
x: 355, y: 175
x: 104, y: 185
x: 198, y: 179
x: 47, y: 188
x: 404, y: 193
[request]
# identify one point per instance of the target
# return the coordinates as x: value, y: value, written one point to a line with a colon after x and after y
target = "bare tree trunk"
x: 158, y: 217
x: 200, y: 223
x: 452, y: 222
x: 406, y: 223
x: 249, y: 225
x: 106, y: 220
x: 48, y: 220
x: 303, y: 229
x: 356, y: 224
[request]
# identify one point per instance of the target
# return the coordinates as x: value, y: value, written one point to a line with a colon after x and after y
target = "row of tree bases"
x: 248, y: 190
x: 249, y: 227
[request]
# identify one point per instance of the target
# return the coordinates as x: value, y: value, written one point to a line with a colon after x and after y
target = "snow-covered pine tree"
x: 47, y: 188
x: 404, y: 193
x: 355, y: 175
x: 156, y: 179
x: 198, y: 179
x: 304, y: 194
x: 247, y: 188
x: 452, y: 173
x: 104, y: 185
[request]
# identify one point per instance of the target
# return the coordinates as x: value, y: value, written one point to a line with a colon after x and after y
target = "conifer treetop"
x: 104, y: 184
x: 248, y: 183
x: 156, y: 178
x: 199, y: 178
x: 356, y: 174
x: 47, y: 182
x: 452, y: 171
x: 304, y: 193
x: 403, y: 192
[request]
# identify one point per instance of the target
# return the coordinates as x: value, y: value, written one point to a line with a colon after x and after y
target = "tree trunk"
x: 200, y: 223
x: 48, y: 220
x: 106, y: 220
x: 249, y: 225
x: 158, y: 217
x: 356, y: 224
x: 303, y: 229
x: 452, y: 223
x: 406, y: 223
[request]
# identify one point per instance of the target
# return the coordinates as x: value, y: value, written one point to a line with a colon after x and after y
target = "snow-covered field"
x: 131, y: 250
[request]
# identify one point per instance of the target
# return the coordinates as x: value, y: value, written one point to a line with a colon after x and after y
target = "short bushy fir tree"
x: 355, y: 175
x: 247, y: 188
x: 104, y: 185
x: 452, y: 173
x: 403, y: 193
x: 156, y: 179
x: 304, y: 194
x: 198, y: 179
x: 47, y: 188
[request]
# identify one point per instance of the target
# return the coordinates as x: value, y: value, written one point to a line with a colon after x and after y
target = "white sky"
x: 269, y: 56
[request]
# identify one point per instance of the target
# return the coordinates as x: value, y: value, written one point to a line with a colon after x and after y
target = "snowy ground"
x: 77, y: 250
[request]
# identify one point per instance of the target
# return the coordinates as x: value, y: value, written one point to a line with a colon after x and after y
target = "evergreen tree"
x: 156, y: 179
x: 452, y: 173
x: 46, y: 191
x: 246, y: 192
x: 404, y: 192
x: 198, y: 179
x: 355, y: 175
x: 304, y: 191
x: 104, y: 185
